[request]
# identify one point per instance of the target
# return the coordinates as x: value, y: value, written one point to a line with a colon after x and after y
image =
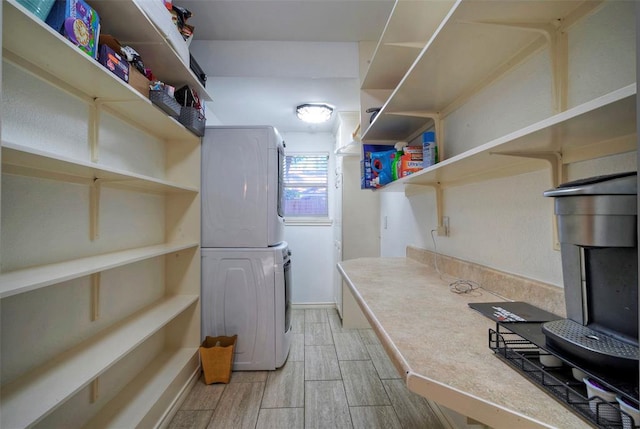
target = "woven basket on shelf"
x: 216, y: 354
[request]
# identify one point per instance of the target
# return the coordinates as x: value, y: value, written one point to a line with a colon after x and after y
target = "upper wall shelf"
x: 130, y: 25
x: 456, y: 61
x: 409, y: 28
x: 39, y: 44
x: 600, y: 127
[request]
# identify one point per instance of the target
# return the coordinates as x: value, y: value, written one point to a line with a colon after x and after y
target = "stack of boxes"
x: 382, y: 164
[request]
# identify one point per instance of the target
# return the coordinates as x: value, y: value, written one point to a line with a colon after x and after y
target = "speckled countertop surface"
x: 442, y: 345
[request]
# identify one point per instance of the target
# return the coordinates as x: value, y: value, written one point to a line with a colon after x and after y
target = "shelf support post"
x: 94, y: 209
x: 95, y: 296
x: 557, y: 177
x: 94, y: 128
x: 95, y: 389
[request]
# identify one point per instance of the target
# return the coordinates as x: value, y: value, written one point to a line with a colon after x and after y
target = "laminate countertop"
x: 440, y: 345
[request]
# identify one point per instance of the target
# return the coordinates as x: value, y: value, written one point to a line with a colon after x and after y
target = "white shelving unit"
x: 116, y: 306
x: 455, y: 63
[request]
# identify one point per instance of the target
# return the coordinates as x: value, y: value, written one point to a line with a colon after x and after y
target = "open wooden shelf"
x: 600, y: 127
x: 28, y: 279
x: 38, y: 44
x: 130, y: 408
x: 409, y: 28
x: 131, y: 26
x: 456, y: 61
x: 32, y: 397
x: 27, y: 161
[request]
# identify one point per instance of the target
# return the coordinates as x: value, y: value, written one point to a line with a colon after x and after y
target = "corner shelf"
x: 455, y: 61
x: 409, y: 28
x: 69, y: 372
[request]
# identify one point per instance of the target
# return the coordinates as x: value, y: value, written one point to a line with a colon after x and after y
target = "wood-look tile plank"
x: 315, y: 315
x: 382, y: 363
x: 325, y: 405
x: 238, y: 407
x: 321, y: 363
x: 285, y: 387
x: 375, y: 418
x: 349, y: 346
x: 280, y: 418
x: 296, y: 352
x: 297, y: 321
x: 369, y: 336
x: 361, y: 383
x: 191, y: 419
x: 317, y: 334
x: 413, y: 410
x: 248, y: 376
x: 203, y: 396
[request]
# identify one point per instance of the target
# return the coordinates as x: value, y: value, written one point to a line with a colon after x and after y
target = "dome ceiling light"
x: 314, y: 113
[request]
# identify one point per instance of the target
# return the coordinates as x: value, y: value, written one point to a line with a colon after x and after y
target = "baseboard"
x: 313, y: 305
x: 177, y: 403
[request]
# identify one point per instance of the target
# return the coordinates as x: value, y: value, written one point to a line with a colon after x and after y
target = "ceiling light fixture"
x: 314, y: 113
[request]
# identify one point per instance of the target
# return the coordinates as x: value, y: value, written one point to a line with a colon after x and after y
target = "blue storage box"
x: 39, y: 8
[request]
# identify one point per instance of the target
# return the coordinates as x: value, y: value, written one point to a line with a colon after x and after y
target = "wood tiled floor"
x: 333, y: 378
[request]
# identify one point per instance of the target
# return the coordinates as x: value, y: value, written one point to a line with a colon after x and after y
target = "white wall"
x: 312, y: 245
x: 507, y: 223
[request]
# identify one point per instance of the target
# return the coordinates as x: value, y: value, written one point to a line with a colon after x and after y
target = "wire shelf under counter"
x: 524, y: 356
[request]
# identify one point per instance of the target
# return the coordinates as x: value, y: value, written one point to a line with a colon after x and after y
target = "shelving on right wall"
x: 465, y: 47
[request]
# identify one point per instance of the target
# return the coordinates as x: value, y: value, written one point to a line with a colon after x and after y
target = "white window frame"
x: 309, y: 220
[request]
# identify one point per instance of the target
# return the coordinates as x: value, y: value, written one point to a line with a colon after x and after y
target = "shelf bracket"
x: 95, y: 389
x: 557, y: 39
x: 436, y: 117
x: 553, y: 158
x: 557, y: 177
x: 412, y: 189
x: 94, y: 208
x: 95, y: 296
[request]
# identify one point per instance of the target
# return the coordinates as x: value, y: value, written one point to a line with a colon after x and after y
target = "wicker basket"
x: 192, y: 119
x: 216, y: 354
x: 166, y: 102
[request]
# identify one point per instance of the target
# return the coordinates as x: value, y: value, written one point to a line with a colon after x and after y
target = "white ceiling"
x: 263, y: 57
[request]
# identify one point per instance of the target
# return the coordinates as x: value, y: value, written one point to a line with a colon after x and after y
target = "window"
x: 305, y: 185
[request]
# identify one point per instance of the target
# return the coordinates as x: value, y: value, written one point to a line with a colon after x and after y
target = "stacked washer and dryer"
x: 246, y: 265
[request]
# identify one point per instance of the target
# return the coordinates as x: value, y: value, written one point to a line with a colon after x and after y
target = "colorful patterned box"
x: 78, y: 22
